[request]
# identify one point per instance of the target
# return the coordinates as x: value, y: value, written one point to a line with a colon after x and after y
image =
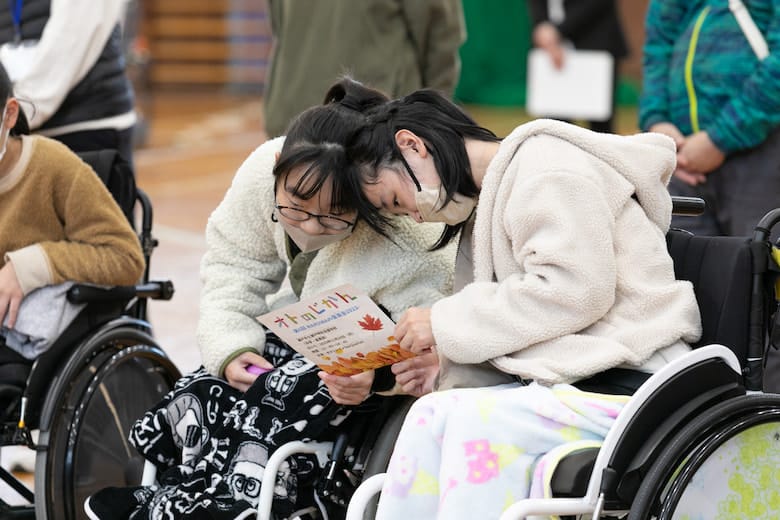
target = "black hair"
x: 441, y: 124
x: 6, y: 92
x: 317, y: 139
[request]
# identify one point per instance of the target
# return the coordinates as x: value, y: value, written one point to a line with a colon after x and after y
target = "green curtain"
x: 494, y: 54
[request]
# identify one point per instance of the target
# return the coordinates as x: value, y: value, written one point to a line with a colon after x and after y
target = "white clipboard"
x: 581, y: 89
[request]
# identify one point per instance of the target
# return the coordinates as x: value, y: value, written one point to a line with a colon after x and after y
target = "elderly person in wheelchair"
x: 283, y: 231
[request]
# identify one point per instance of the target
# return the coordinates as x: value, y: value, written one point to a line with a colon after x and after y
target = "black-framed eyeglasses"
x: 326, y: 221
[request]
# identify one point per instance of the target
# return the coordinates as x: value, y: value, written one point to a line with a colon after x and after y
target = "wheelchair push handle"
x: 687, y: 206
x: 763, y: 229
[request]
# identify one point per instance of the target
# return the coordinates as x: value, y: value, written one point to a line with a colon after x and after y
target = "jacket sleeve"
x: 241, y: 266
x: 537, y: 10
x: 438, y: 30
x: 581, y: 14
x: 559, y: 226
x: 99, y: 247
x: 64, y: 55
x: 750, y: 115
x: 663, y: 24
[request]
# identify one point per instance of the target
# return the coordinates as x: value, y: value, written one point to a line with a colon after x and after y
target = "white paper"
x: 581, y: 89
x: 341, y: 330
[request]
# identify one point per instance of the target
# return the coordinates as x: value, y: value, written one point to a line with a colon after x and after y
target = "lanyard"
x: 16, y: 15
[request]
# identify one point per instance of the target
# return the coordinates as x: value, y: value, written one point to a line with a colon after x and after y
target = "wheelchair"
x: 103, y: 372
x: 700, y: 438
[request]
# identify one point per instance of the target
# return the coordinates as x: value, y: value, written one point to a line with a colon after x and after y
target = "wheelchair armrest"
x: 86, y: 293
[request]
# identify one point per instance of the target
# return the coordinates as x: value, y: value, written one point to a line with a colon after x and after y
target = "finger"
x: 406, y: 342
x: 558, y: 59
x: 419, y: 348
x: 3, y: 308
x: 401, y: 366
x: 400, y: 331
x: 253, y: 358
x: 405, y: 377
x: 241, y: 387
x: 349, y: 398
x: 13, y: 312
x: 244, y: 379
x: 410, y: 388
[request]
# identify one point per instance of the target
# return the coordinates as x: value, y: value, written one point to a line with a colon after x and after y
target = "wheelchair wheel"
x: 721, y: 465
x: 121, y: 374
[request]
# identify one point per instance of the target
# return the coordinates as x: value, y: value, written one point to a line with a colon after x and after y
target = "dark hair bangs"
x: 323, y: 163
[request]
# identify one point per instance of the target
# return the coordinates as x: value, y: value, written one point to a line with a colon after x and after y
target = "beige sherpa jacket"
x: 246, y: 262
x: 572, y: 275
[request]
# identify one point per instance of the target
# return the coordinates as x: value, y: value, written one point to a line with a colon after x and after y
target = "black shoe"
x: 115, y: 503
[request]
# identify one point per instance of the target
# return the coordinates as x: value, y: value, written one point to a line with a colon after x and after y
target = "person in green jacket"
x: 395, y: 46
x: 704, y: 86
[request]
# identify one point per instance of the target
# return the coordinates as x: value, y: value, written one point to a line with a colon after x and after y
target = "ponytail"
x: 316, y: 140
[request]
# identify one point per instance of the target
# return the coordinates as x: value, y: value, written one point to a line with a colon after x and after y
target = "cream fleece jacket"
x: 572, y: 275
x: 246, y: 262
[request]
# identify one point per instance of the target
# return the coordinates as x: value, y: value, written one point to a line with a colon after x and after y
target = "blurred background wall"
x: 224, y: 44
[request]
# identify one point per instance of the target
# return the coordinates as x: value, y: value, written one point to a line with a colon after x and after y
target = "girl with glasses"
x: 286, y: 229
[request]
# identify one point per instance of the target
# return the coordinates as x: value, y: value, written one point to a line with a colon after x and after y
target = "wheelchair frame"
x: 614, y: 473
x: 71, y: 381
x: 622, y: 477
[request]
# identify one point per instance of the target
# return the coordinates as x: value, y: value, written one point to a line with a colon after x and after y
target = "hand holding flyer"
x: 341, y: 330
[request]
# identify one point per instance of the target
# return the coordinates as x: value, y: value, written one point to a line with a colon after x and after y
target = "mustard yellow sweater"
x: 58, y: 222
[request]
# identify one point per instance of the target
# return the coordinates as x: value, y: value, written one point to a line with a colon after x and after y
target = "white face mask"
x: 457, y: 210
x: 4, y: 133
x: 306, y: 242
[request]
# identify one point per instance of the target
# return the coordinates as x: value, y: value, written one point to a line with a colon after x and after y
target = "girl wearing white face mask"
x: 570, y: 289
x: 58, y: 222
x: 285, y: 230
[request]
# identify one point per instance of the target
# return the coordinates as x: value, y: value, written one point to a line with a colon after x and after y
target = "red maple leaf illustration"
x: 370, y: 323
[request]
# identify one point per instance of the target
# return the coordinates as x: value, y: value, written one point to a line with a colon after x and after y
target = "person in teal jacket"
x: 704, y: 86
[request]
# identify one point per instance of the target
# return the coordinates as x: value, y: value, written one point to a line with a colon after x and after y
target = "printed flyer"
x: 342, y: 330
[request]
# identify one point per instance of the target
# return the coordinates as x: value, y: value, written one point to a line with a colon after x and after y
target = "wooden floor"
x: 194, y: 144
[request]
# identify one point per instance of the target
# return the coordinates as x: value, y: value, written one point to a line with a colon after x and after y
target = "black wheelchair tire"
x: 690, y: 447
x: 75, y: 436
